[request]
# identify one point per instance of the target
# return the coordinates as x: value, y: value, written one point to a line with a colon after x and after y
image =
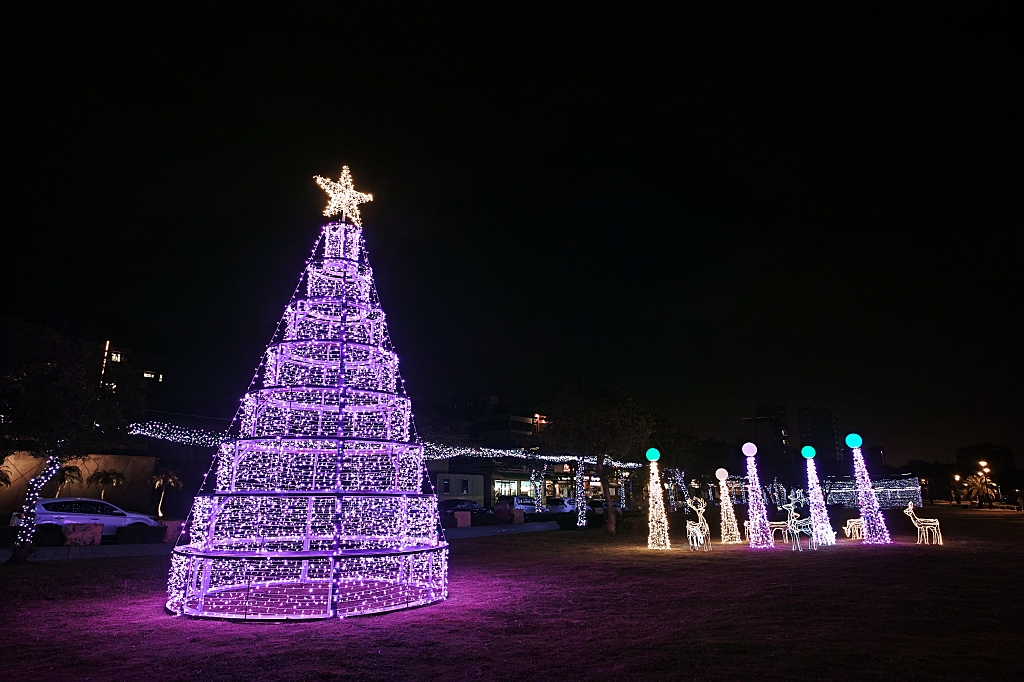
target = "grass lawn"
x: 571, y: 606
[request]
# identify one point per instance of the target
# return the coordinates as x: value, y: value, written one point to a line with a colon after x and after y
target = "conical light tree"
x: 657, y: 521
x: 820, y: 524
x: 316, y: 508
x: 875, y: 530
x: 730, y: 529
x: 757, y: 511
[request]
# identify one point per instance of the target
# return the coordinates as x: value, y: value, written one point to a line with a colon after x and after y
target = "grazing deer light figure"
x: 795, y: 525
x: 926, y: 528
x: 781, y: 526
x: 698, y: 532
x: 854, y: 528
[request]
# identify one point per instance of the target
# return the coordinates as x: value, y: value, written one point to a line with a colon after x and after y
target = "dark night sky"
x: 716, y: 210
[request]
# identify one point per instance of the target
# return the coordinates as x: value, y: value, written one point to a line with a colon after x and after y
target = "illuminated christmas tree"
x: 730, y: 529
x: 757, y: 512
x: 875, y: 531
x: 316, y: 508
x: 820, y: 524
x: 657, y: 521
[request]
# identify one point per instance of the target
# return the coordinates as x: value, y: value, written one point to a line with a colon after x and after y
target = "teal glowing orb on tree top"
x: 854, y: 441
x: 653, y: 455
x: 807, y: 451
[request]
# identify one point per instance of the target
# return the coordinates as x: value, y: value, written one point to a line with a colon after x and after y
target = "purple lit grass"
x: 526, y: 597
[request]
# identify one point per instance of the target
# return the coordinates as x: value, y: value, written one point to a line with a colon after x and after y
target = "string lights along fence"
x: 892, y: 493
x: 316, y: 506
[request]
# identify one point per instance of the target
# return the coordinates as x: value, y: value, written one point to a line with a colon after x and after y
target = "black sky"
x: 717, y: 210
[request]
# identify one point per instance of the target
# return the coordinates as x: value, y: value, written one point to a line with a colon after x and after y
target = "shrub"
x: 566, y: 521
x: 484, y: 519
x: 48, y: 535
x: 140, y: 534
x: 632, y: 525
x: 8, y: 535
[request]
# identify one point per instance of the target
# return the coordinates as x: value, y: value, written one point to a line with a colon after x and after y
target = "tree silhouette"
x: 105, y: 478
x: 980, y: 488
x: 162, y: 480
x: 68, y: 475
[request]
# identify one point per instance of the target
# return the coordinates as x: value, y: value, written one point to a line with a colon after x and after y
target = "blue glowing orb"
x: 653, y: 455
x: 807, y: 451
x: 854, y: 441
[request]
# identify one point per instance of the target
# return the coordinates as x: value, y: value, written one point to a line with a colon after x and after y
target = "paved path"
x: 114, y: 551
x: 93, y: 552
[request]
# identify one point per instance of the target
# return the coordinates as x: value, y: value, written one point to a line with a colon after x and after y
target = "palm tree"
x: 162, y: 480
x: 980, y: 488
x: 68, y: 475
x: 105, y: 478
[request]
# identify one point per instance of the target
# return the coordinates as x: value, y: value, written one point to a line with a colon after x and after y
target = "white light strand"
x: 891, y: 493
x: 657, y: 521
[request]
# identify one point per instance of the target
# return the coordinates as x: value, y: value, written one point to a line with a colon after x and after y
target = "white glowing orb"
x: 749, y: 449
x: 721, y: 474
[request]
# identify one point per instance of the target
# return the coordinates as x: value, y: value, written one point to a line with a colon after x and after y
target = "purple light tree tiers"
x: 757, y: 513
x: 316, y: 508
x: 875, y: 531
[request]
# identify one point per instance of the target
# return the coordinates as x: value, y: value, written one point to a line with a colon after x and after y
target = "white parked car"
x: 561, y: 505
x: 67, y: 510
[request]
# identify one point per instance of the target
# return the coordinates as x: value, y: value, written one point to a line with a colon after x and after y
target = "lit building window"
x: 465, y: 486
x: 446, y: 486
x: 115, y: 357
x: 148, y: 375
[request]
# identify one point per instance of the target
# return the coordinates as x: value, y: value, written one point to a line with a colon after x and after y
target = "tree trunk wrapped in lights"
x: 875, y: 531
x: 316, y: 508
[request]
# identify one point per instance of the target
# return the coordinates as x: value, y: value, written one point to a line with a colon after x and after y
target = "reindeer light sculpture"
x: 795, y: 525
x: 854, y: 528
x: 927, y: 529
x: 698, y: 532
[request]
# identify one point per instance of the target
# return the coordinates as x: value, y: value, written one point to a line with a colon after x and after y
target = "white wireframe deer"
x: 698, y: 532
x: 854, y: 528
x: 795, y: 525
x: 926, y: 528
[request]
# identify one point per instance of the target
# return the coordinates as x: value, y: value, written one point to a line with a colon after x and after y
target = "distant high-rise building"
x: 819, y: 428
x: 769, y: 431
x: 998, y: 459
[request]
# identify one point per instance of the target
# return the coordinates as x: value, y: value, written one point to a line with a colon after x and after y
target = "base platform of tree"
x: 571, y: 605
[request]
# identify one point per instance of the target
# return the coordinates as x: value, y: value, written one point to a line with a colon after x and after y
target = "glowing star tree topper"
x: 757, y: 511
x: 821, y: 527
x: 730, y: 529
x: 344, y: 197
x: 875, y: 531
x: 657, y: 522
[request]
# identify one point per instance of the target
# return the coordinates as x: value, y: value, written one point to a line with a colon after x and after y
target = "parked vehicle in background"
x: 449, y: 507
x: 60, y: 512
x: 506, y: 504
x: 561, y: 505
